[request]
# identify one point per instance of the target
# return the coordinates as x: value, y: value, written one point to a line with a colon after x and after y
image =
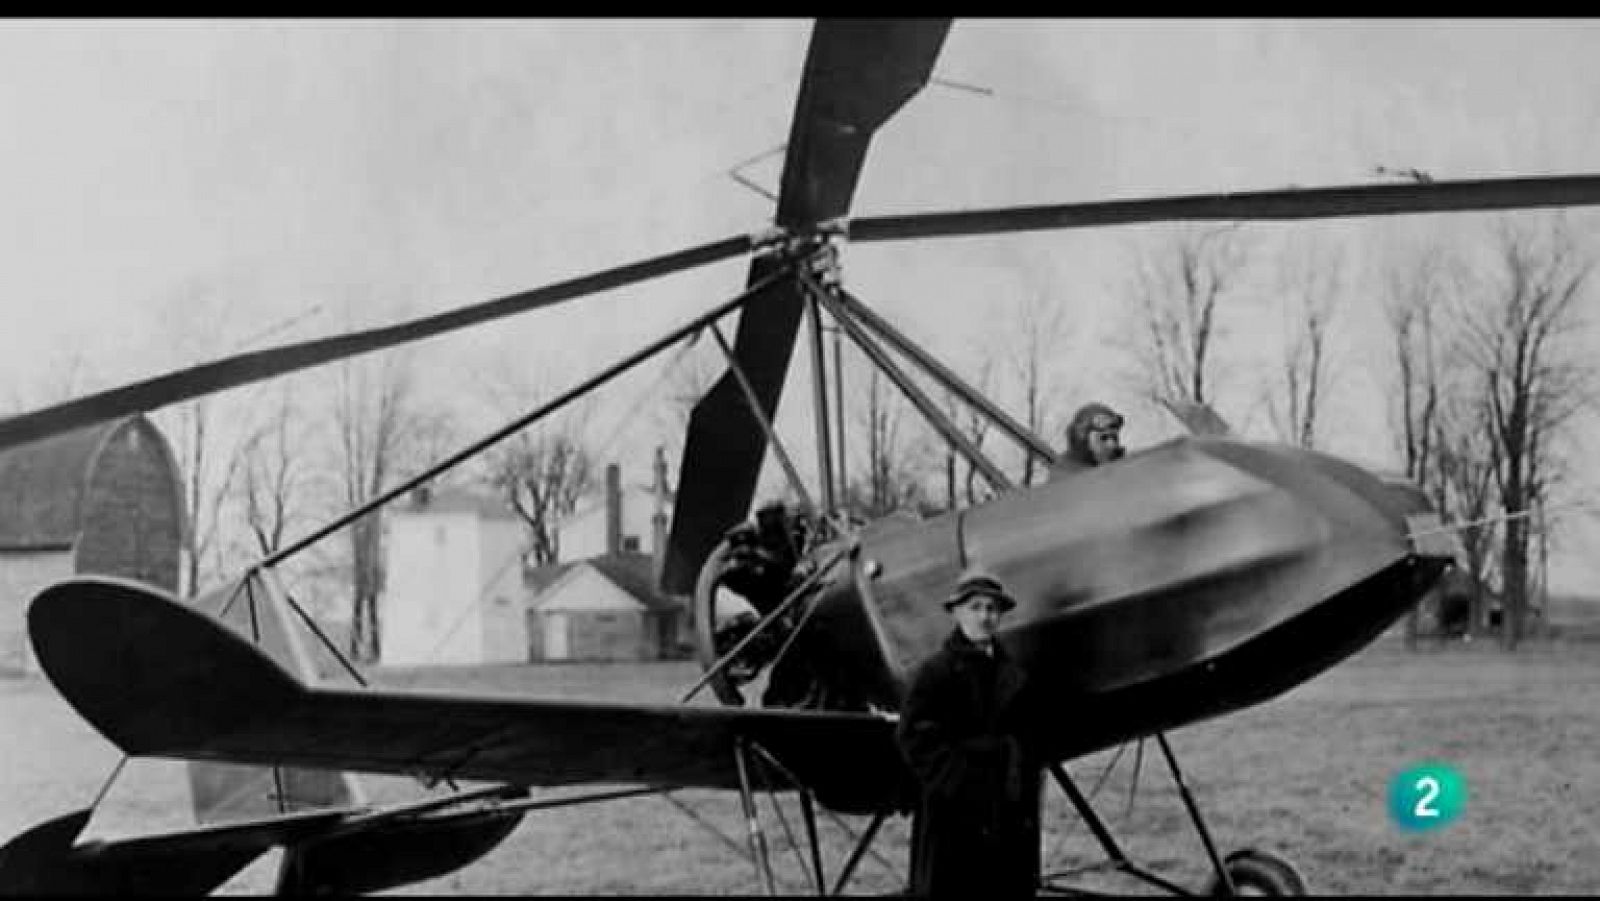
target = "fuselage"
x: 1182, y: 582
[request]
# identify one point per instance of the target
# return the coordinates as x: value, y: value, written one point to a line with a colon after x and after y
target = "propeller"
x: 857, y: 74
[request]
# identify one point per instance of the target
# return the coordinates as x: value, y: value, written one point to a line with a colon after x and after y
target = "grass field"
x: 1305, y: 775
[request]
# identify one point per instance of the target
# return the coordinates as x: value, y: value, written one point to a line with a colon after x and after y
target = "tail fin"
x: 255, y: 607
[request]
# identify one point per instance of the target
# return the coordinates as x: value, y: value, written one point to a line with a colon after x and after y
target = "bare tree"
x: 204, y: 491
x: 1465, y: 488
x: 1521, y: 337
x: 1311, y: 285
x: 1038, y: 329
x: 1416, y: 306
x: 272, y: 474
x: 383, y: 434
x: 1420, y: 288
x: 199, y: 320
x: 975, y: 426
x: 543, y: 470
x: 64, y: 377
x: 893, y: 480
x: 542, y: 476
x: 1176, y: 290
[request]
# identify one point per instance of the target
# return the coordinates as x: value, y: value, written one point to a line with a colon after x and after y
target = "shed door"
x: 555, y: 636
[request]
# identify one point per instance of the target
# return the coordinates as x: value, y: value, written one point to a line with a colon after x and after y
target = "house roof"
x: 633, y: 573
x: 42, y: 485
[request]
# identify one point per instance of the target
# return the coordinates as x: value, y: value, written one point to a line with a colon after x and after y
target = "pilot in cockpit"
x: 1094, y: 438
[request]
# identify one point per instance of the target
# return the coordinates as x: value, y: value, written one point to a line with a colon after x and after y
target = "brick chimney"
x: 613, y: 509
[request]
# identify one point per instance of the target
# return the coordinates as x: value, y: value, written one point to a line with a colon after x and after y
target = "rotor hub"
x: 816, y: 248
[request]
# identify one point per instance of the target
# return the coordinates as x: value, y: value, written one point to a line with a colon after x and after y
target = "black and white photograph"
x: 974, y: 457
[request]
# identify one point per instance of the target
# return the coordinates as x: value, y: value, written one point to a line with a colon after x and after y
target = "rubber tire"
x: 1260, y: 872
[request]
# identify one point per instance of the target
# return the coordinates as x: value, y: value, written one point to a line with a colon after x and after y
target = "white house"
x: 453, y: 592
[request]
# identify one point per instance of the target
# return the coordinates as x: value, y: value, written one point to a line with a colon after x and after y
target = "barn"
x: 105, y: 500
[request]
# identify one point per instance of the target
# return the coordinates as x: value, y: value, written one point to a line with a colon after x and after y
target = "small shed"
x: 106, y: 500
x: 605, y: 608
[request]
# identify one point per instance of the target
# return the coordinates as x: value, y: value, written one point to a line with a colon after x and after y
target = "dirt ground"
x: 1305, y: 776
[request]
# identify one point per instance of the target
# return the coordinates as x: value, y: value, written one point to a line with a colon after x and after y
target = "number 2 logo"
x: 1426, y: 796
x: 1429, y: 787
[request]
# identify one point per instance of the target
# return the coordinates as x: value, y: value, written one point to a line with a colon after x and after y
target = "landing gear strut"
x: 1248, y: 871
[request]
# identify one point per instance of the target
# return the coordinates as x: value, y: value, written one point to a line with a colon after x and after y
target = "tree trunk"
x: 1514, y: 570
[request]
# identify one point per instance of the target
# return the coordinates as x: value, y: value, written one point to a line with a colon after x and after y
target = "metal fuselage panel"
x: 1192, y: 578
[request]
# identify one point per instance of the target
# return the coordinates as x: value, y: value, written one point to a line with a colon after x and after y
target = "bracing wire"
x: 105, y: 787
x: 783, y: 820
x: 687, y: 330
x: 1100, y: 781
x: 1028, y: 101
x: 1496, y: 518
x: 700, y: 820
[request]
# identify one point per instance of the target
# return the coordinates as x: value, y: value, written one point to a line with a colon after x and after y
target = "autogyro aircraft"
x: 1185, y: 581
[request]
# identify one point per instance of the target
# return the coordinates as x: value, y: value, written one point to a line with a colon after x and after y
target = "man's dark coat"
x: 965, y: 731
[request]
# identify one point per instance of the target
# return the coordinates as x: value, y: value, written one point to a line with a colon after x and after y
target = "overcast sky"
x: 305, y: 177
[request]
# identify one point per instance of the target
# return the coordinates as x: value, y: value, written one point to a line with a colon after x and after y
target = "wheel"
x: 1257, y: 872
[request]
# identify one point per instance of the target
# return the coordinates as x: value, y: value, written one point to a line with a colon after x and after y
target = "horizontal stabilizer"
x: 46, y: 860
x: 350, y: 851
x: 382, y: 853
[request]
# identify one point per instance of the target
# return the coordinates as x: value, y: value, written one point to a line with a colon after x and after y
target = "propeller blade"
x: 1290, y: 203
x: 725, y: 443
x: 243, y: 369
x: 857, y: 74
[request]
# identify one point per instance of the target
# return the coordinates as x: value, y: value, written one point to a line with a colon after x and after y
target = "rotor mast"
x: 814, y: 260
x: 819, y: 387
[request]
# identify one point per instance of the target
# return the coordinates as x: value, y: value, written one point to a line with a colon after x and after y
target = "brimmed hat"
x: 975, y: 581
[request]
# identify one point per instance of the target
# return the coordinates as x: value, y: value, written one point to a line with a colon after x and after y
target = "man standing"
x: 965, y: 731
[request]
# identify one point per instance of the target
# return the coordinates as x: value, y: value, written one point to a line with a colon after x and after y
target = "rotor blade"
x: 242, y: 369
x: 858, y: 72
x: 1290, y: 203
